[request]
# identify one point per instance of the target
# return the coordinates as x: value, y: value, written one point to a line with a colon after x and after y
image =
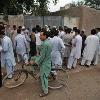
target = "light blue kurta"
x: 20, y: 44
x: 57, y: 46
x: 7, y: 54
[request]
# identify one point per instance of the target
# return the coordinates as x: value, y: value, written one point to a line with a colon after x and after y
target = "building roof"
x: 74, y: 11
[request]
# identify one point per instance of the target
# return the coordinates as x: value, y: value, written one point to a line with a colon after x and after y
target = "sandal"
x: 43, y: 94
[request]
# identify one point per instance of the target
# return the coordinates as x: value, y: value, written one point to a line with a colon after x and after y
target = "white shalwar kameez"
x: 28, y: 39
x: 38, y: 42
x: 57, y: 47
x: 75, y: 51
x: 7, y: 55
x: 98, y: 34
x: 21, y: 47
x: 91, y: 48
x: 61, y: 33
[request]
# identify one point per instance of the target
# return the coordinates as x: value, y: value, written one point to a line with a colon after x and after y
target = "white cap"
x: 46, y: 25
x: 54, y: 26
x: 23, y: 27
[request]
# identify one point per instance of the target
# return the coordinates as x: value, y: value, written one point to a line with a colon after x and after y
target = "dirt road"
x: 83, y: 84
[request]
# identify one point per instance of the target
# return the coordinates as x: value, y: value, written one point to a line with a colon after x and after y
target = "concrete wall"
x: 90, y: 19
x: 32, y: 21
x: 71, y: 21
x: 87, y: 18
x: 14, y: 20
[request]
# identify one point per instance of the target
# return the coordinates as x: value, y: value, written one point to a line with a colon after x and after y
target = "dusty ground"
x: 83, y: 84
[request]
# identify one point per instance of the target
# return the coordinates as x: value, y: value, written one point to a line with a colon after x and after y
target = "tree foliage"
x: 93, y: 4
x: 76, y: 4
x: 90, y: 3
x: 14, y: 7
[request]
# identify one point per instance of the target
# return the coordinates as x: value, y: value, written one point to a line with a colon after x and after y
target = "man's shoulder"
x: 47, y: 43
x: 6, y: 39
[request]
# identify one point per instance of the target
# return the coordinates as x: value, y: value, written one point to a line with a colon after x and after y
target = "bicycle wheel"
x: 57, y: 82
x: 18, y: 78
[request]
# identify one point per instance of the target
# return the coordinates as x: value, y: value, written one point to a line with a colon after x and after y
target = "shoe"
x: 81, y: 64
x: 68, y: 69
x: 72, y: 68
x: 87, y: 66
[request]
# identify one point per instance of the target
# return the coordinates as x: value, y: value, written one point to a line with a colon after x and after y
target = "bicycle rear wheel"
x: 57, y: 82
x: 18, y: 78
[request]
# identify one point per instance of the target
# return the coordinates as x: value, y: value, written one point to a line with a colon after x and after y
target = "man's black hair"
x: 74, y: 28
x: 60, y: 28
x: 45, y: 32
x: 93, y: 32
x: 77, y: 31
x: 38, y: 29
x: 68, y: 30
x: 20, y: 27
x: 2, y: 30
x: 18, y: 31
x: 14, y: 26
x: 54, y: 32
x: 33, y: 29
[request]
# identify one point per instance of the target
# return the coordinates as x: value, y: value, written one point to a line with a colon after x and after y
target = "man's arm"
x: 42, y: 56
x: 5, y: 46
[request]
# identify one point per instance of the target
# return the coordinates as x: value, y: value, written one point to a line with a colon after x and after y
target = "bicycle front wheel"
x: 18, y: 78
x: 57, y: 82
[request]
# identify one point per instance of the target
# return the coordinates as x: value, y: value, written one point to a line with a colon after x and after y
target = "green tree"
x: 93, y: 4
x: 14, y: 7
x: 76, y: 4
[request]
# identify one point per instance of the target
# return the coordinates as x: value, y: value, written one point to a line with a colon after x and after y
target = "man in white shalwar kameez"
x: 13, y: 33
x: 67, y: 38
x: 57, y: 47
x: 75, y: 51
x: 98, y: 34
x: 38, y: 40
x: 7, y: 55
x: 91, y: 48
x: 61, y: 32
x: 25, y: 32
x: 21, y: 47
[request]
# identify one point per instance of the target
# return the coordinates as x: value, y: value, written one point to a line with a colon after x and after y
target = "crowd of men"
x: 48, y: 48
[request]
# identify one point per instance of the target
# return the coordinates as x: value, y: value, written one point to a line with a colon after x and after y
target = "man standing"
x: 44, y: 61
x: 61, y: 32
x: 76, y: 50
x: 0, y: 66
x: 0, y: 75
x: 38, y: 40
x: 67, y: 38
x: 7, y: 55
x: 21, y: 47
x: 91, y: 47
x: 13, y: 32
x: 57, y: 47
x: 98, y: 34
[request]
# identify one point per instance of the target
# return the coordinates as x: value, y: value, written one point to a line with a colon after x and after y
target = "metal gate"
x: 32, y: 21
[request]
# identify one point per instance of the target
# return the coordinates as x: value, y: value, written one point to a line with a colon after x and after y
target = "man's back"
x: 20, y: 43
x: 57, y: 44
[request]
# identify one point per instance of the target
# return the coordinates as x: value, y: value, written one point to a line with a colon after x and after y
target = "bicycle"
x: 20, y: 75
